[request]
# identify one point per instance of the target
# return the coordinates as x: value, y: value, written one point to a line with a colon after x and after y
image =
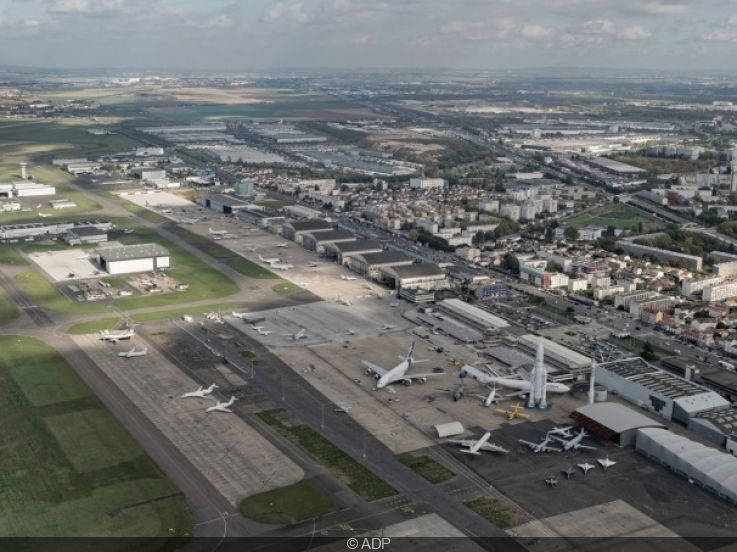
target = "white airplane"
x: 388, y: 326
x: 474, y: 445
x: 257, y: 328
x: 296, y: 336
x: 222, y: 406
x: 605, y: 463
x: 281, y: 266
x: 261, y: 331
x: 114, y: 337
x: 282, y: 245
x: 344, y: 277
x: 586, y: 467
x: 343, y: 408
x: 542, y: 446
x: 270, y: 260
x: 575, y: 442
x: 241, y: 315
x: 490, y: 377
x: 201, y: 392
x: 564, y: 432
x: 217, y: 232
x: 351, y: 332
x: 491, y: 398
x: 399, y: 372
x: 344, y: 302
x: 250, y: 248
x: 85, y: 256
x: 393, y: 305
x: 43, y: 215
x: 133, y: 353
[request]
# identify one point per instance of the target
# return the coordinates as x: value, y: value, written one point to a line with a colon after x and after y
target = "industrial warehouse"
x: 127, y: 259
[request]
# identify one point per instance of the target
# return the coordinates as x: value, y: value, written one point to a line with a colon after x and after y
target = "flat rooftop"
x: 130, y: 252
x: 461, y: 308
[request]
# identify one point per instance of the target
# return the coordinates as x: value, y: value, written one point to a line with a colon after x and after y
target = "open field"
x: 8, y: 310
x: 68, y: 468
x: 47, y: 296
x: 9, y: 256
x: 287, y: 505
x: 426, y: 467
x: 618, y: 215
x: 353, y: 474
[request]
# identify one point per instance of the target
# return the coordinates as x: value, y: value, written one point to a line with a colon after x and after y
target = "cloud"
x: 664, y: 8
x: 286, y: 13
x: 536, y: 32
x: 635, y: 32
x: 95, y: 7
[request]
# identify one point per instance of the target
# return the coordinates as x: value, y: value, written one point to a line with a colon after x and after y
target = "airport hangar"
x: 472, y: 316
x: 318, y: 241
x: 420, y: 276
x: 295, y: 230
x: 343, y: 251
x: 127, y: 259
x: 369, y: 264
x: 225, y: 204
x: 613, y: 421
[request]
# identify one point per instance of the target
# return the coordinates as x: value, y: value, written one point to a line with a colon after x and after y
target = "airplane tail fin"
x: 411, y: 352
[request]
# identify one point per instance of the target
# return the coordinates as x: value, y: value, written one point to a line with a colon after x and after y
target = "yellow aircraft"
x: 512, y: 413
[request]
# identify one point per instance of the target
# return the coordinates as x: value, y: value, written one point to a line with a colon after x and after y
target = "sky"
x: 242, y: 35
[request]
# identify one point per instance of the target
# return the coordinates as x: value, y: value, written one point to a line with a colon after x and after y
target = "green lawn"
x: 67, y: 467
x: 426, y: 467
x: 355, y: 475
x: 287, y: 505
x: 94, y: 326
x: 47, y: 296
x: 9, y: 256
x: 618, y: 215
x: 286, y: 288
x: 493, y: 510
x: 8, y: 310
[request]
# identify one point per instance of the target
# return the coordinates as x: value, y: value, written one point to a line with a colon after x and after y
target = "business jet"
x: 399, y: 372
x: 344, y: 277
x: 281, y: 266
x: 200, y: 393
x: 133, y: 353
x: 222, y: 406
x: 474, y: 446
x: 240, y: 315
x: 263, y: 332
x: 217, y: 232
x: 585, y: 467
x: 296, y: 336
x: 343, y: 408
x: 43, y: 215
x: 270, y: 260
x: 490, y: 377
x: 114, y: 337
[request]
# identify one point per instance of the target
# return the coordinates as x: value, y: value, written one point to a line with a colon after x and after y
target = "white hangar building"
x: 127, y: 259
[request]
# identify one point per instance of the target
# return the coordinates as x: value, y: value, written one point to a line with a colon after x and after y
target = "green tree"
x: 571, y: 233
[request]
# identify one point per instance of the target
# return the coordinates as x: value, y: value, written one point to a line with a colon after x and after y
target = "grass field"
x: 356, y: 476
x: 426, y: 467
x: 493, y: 510
x: 8, y: 310
x: 9, y: 256
x: 287, y: 505
x: 47, y: 296
x: 94, y: 326
x: 67, y: 467
x: 618, y: 215
x: 286, y: 288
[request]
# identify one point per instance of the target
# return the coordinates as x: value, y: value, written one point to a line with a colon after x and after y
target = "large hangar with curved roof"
x: 613, y: 421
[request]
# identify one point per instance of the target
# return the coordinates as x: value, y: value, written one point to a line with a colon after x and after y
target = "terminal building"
x: 660, y: 392
x: 471, y: 316
x: 127, y: 259
x: 295, y: 230
x: 320, y: 240
x: 370, y: 264
x: 343, y: 251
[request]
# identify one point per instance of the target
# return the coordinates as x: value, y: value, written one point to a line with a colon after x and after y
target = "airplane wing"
x: 491, y: 447
x: 421, y: 376
x: 587, y: 447
x: 462, y: 442
x: 550, y: 449
x: 373, y: 368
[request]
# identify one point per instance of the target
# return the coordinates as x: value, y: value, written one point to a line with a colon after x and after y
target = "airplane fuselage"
x: 510, y: 383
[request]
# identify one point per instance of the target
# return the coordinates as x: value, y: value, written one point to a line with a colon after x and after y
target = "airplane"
x: 564, y: 432
x: 568, y: 472
x: 301, y: 334
x: 106, y: 335
x: 133, y: 353
x: 343, y: 408
x: 586, y: 467
x: 351, y: 332
x: 491, y: 398
x: 510, y: 383
x: 605, y: 463
x: 399, y: 372
x: 270, y: 260
x: 257, y: 328
x: 542, y: 446
x: 551, y: 481
x: 250, y: 248
x: 217, y: 232
x: 575, y: 442
x: 281, y: 266
x: 261, y: 331
x: 476, y: 445
x: 43, y: 215
x: 281, y: 245
x: 201, y: 392
x: 344, y: 277
x: 512, y: 413
x: 344, y: 302
x: 222, y: 406
x: 241, y: 315
x: 393, y: 305
x: 388, y: 326
x: 313, y: 264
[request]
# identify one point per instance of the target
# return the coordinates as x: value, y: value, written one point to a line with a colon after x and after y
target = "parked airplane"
x: 133, y: 353
x: 217, y: 232
x: 241, y: 315
x: 551, y: 481
x: 263, y: 332
x: 344, y: 302
x: 114, y: 337
x: 351, y: 332
x: 542, y: 446
x: 564, y: 432
x: 512, y: 413
x: 201, y: 392
x: 575, y: 442
x: 388, y: 326
x: 281, y: 245
x: 491, y: 398
x: 281, y: 266
x: 490, y: 377
x: 568, y: 472
x: 605, y: 463
x: 586, y: 467
x: 250, y: 248
x: 296, y: 336
x: 344, y: 408
x: 269, y: 261
x: 344, y: 277
x: 476, y: 445
x: 43, y: 215
x: 399, y: 372
x: 222, y: 406
x: 257, y: 328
